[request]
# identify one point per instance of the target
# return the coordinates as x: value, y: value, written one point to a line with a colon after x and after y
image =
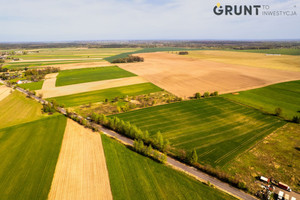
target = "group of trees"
x: 39, y: 74
x: 131, y: 131
x: 48, y: 108
x: 206, y: 94
x: 183, y: 53
x: 129, y: 59
x: 140, y: 147
x: 3, y: 69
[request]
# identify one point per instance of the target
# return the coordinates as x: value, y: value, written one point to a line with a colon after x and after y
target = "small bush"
x: 197, y: 95
x: 206, y: 94
x: 278, y: 111
x: 296, y: 119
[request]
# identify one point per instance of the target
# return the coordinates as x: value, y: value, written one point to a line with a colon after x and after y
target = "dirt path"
x: 50, y: 80
x: 49, y: 91
x: 184, y: 76
x: 4, y: 91
x: 81, y: 171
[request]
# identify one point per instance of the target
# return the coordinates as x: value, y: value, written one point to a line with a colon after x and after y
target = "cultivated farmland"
x: 29, y: 153
x: 133, y: 176
x: 217, y: 128
x: 261, y: 60
x: 4, y: 91
x: 16, y: 108
x: 76, y: 76
x: 32, y: 64
x: 185, y: 75
x: 283, y: 51
x: 81, y: 171
x: 32, y: 86
x: 101, y: 95
x: 283, y: 95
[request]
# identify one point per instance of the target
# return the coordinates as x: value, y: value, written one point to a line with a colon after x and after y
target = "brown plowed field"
x: 81, y: 171
x: 184, y: 76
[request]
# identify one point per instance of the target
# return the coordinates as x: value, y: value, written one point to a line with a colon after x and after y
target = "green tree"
x: 206, y: 94
x: 159, y: 140
x: 197, y: 95
x: 193, y: 157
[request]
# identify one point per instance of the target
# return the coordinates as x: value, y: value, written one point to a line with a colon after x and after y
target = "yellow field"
x: 81, y: 171
x: 283, y: 62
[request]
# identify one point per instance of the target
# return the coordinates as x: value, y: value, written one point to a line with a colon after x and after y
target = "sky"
x: 80, y: 20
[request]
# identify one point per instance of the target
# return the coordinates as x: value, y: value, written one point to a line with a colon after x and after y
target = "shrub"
x: 197, y: 95
x: 216, y: 93
x: 206, y: 94
x: 296, y: 119
x: 278, y: 111
x: 193, y: 157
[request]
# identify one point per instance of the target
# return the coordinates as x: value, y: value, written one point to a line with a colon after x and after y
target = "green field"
x: 274, y: 51
x: 13, y: 65
x: 283, y: 95
x: 29, y: 153
x: 92, y: 54
x: 75, y: 76
x: 16, y: 108
x: 32, y: 86
x: 133, y: 176
x: 101, y: 95
x: 71, y: 53
x: 218, y: 129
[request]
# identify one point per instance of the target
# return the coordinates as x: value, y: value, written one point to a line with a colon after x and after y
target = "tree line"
x: 206, y: 95
x: 132, y: 131
x: 140, y: 147
x: 128, y: 59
